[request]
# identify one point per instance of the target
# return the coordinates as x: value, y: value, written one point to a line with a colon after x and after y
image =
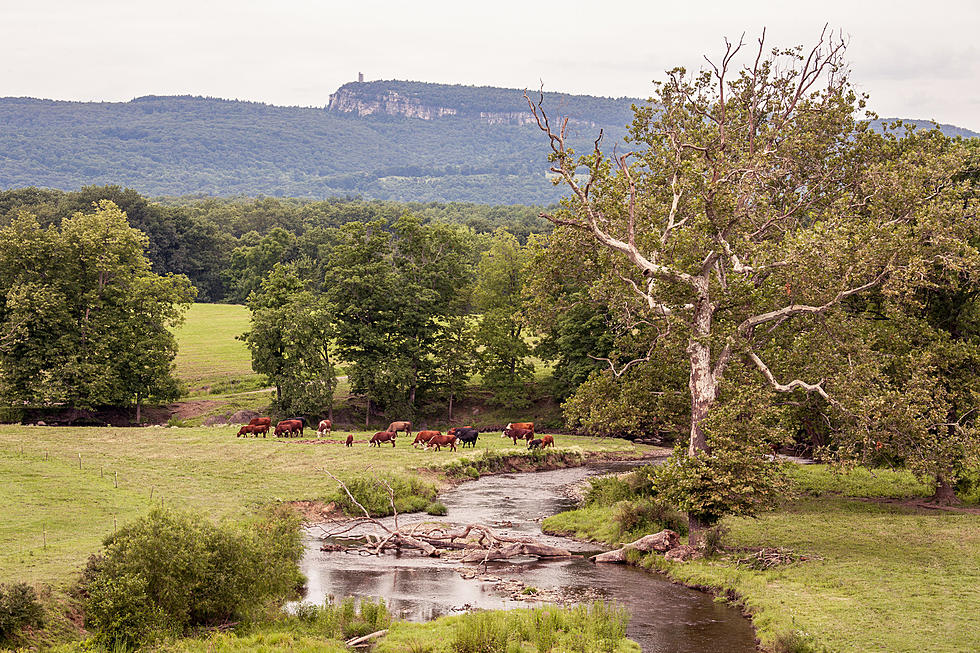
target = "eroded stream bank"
x: 666, y: 618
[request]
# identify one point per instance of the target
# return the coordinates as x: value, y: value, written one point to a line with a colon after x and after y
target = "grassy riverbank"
x: 883, y: 574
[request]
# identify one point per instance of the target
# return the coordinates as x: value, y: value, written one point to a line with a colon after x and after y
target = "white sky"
x: 916, y: 59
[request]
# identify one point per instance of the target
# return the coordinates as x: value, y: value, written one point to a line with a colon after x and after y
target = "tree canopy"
x: 83, y: 320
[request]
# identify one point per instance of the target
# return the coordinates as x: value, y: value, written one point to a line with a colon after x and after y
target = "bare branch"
x: 792, y: 385
x: 798, y: 309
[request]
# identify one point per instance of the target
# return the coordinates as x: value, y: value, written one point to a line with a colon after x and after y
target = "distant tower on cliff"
x: 360, y: 77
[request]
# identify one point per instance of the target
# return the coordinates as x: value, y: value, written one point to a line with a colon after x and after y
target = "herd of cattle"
x: 462, y: 435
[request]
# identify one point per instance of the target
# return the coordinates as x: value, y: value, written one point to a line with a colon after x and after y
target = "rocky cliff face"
x: 393, y: 103
x: 390, y: 103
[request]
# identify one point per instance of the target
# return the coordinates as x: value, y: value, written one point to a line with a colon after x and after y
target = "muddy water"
x: 664, y: 617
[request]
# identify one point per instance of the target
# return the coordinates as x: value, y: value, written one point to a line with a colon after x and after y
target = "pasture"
x: 54, y: 511
x: 208, y: 356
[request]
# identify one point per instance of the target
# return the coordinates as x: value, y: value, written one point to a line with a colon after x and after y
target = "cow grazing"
x: 325, y: 427
x: 260, y: 421
x: 521, y: 425
x: 299, y: 419
x: 534, y: 444
x: 289, y: 426
x: 424, y: 436
x: 467, y: 436
x: 245, y: 430
x: 395, y: 427
x: 547, y: 441
x: 350, y: 440
x: 439, y: 441
x: 383, y: 436
x: 259, y: 428
x: 518, y: 434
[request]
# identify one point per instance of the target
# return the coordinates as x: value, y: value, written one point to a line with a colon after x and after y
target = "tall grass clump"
x: 482, y: 632
x: 171, y: 571
x: 344, y: 620
x: 411, y: 494
x: 593, y: 628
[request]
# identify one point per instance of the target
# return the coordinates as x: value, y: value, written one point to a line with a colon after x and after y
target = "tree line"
x: 225, y: 245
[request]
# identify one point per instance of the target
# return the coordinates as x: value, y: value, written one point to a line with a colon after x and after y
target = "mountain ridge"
x: 419, y: 142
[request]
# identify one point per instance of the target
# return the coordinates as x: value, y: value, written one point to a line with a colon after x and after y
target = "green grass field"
x: 53, y: 515
x: 883, y: 576
x: 208, y: 354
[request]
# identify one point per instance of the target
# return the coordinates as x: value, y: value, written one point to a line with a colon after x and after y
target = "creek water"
x: 664, y: 617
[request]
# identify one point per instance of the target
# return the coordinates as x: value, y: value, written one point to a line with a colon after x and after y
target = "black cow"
x: 467, y: 436
x: 534, y: 444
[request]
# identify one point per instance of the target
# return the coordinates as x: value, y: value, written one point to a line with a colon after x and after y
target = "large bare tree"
x: 753, y: 197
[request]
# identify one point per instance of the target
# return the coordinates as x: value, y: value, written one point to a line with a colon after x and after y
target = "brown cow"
x: 350, y: 440
x: 547, y: 441
x: 383, y: 436
x: 259, y: 428
x: 245, y: 430
x: 424, y: 436
x: 325, y: 427
x: 260, y: 421
x: 519, y: 434
x: 395, y: 427
x: 289, y: 426
x: 521, y: 425
x: 439, y: 441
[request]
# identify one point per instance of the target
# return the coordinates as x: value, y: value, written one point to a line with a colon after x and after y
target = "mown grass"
x: 881, y: 575
x: 208, y: 354
x: 54, y: 503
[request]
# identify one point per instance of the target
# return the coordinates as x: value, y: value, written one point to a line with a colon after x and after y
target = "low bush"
x: 172, y: 571
x: 638, y: 518
x: 19, y: 607
x: 436, y: 508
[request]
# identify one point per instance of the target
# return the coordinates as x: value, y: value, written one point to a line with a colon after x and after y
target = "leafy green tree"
x: 752, y: 208
x: 500, y: 278
x: 454, y: 355
x: 84, y: 320
x: 393, y: 289
x: 291, y: 340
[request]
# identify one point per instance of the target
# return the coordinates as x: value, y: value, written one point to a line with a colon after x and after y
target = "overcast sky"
x: 916, y: 59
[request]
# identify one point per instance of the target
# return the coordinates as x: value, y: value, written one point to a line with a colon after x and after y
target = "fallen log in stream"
x: 480, y: 542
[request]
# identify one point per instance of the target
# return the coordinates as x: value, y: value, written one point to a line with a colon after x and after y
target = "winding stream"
x: 665, y: 617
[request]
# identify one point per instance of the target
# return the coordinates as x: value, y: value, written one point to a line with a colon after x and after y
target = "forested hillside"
x: 390, y: 140
x: 186, y: 145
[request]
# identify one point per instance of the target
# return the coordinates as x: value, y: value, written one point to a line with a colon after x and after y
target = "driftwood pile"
x: 478, y: 542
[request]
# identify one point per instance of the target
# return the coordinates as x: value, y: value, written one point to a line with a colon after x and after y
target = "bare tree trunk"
x: 139, y: 406
x: 367, y: 415
x: 702, y: 382
x: 450, y: 406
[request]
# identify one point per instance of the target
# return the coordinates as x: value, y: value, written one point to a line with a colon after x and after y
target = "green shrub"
x: 436, y: 508
x: 411, y: 494
x: 171, y: 571
x: 19, y: 607
x: 638, y: 518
